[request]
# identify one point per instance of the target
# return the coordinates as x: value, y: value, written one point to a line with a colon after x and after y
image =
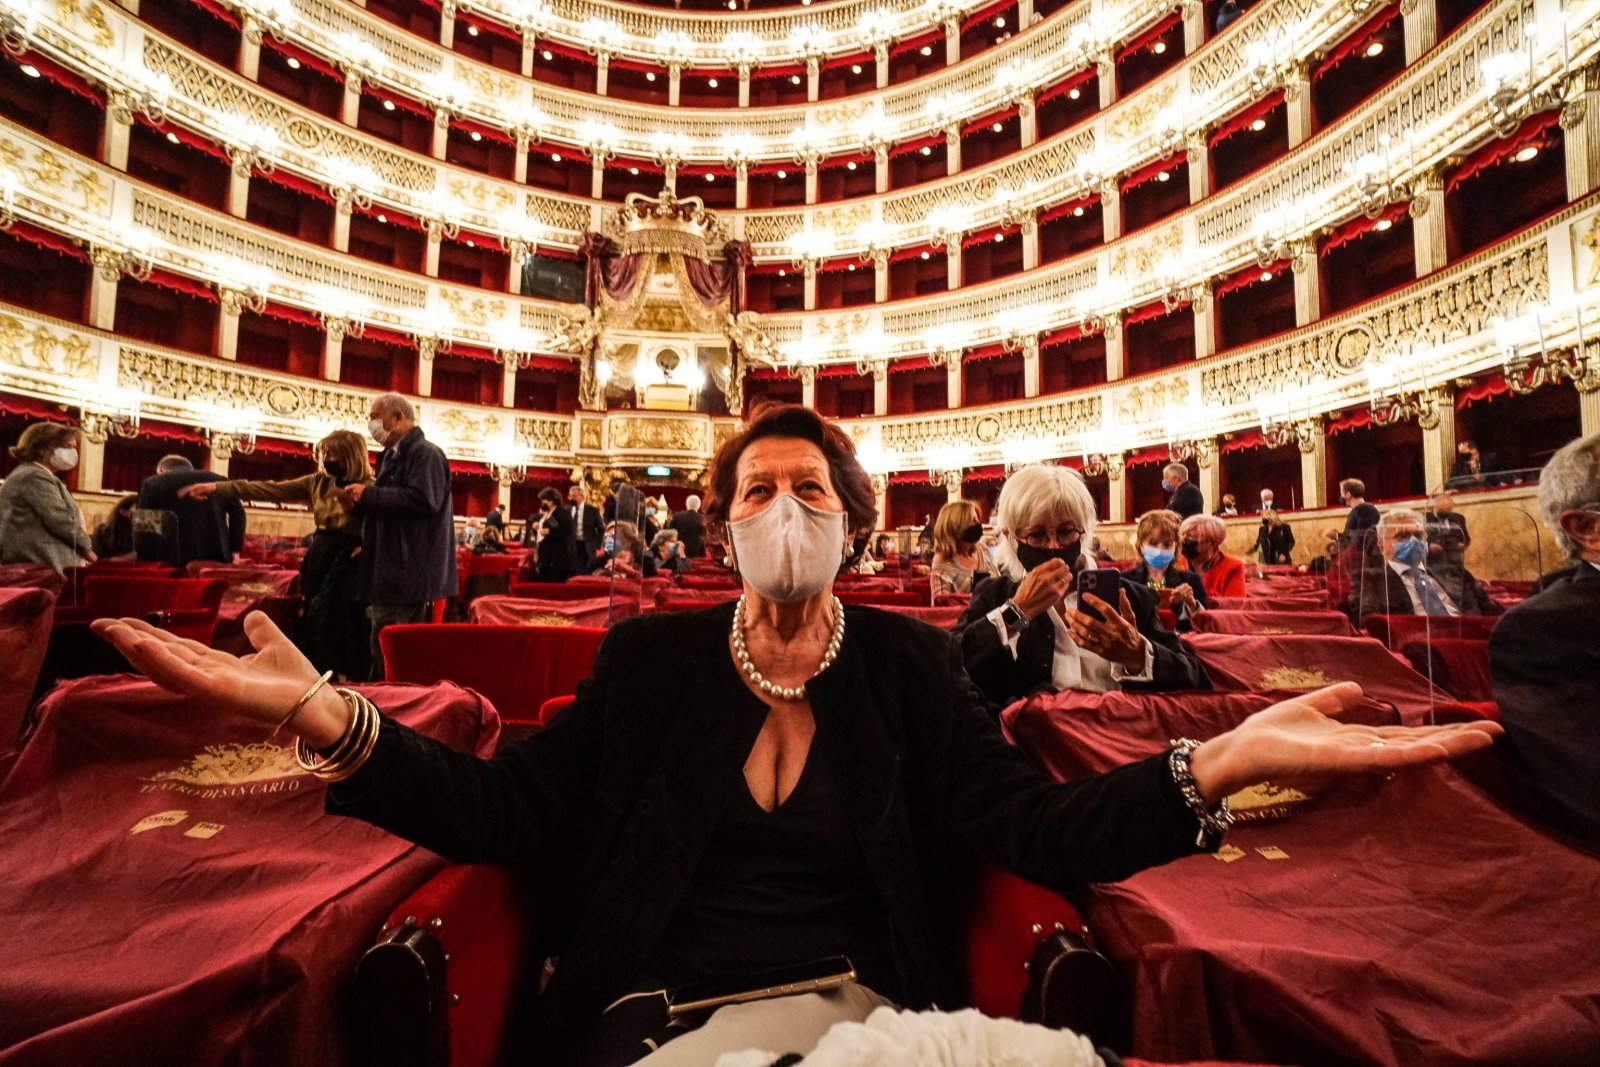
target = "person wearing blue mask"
x: 1156, y: 540
x: 1187, y: 499
x: 1406, y: 585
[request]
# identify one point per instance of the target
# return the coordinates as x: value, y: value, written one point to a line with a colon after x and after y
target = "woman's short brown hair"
x: 850, y: 480
x: 40, y: 439
x: 351, y: 448
x: 953, y: 520
x: 1156, y: 525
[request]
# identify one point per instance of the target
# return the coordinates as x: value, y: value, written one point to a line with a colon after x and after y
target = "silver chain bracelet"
x: 1213, y: 823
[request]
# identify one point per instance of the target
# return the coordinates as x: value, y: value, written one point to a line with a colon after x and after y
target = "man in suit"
x: 1186, y: 496
x: 1026, y: 630
x: 189, y: 529
x: 408, y: 556
x: 1402, y: 583
x: 1545, y: 656
x: 1363, y: 517
x: 587, y: 531
x: 690, y: 527
x: 1447, y: 530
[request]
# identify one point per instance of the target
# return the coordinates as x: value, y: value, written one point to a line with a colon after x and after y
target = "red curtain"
x: 1248, y: 277
x: 1500, y: 150
x: 387, y: 337
x: 1482, y: 389
x: 1357, y: 41
x: 62, y: 76
x: 1244, y: 439
x: 47, y: 239
x: 179, y: 284
x: 306, y: 59
x: 1361, y: 226
x: 28, y: 407
x: 607, y: 270
x: 1354, y: 419
x: 282, y: 177
x: 1068, y: 207
x: 901, y: 365
x: 988, y: 120
x: 1260, y: 109
x: 1151, y: 311
x: 1149, y: 171
x: 1067, y: 84
x: 295, y: 315
x: 1150, y: 36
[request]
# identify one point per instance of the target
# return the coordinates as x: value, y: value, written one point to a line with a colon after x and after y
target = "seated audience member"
x: 1155, y: 538
x: 881, y: 548
x: 1322, y: 564
x: 469, y: 535
x: 1100, y: 552
x: 1200, y: 539
x: 1401, y: 583
x: 39, y: 520
x: 1230, y: 506
x: 1267, y: 501
x: 624, y: 553
x: 783, y: 697
x: 1470, y: 467
x: 958, y: 560
x: 1275, y: 541
x: 667, y: 551
x: 113, y: 539
x: 489, y: 543
x: 333, y: 629
x: 1026, y: 630
x: 1545, y: 654
x: 196, y: 528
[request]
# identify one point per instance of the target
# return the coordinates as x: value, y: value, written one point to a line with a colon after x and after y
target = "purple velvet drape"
x: 607, y: 271
x: 714, y: 282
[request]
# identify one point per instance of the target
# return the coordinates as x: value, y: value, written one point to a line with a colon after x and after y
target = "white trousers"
x: 783, y: 1025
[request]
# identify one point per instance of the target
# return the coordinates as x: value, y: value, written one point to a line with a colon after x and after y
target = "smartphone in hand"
x: 1105, y: 583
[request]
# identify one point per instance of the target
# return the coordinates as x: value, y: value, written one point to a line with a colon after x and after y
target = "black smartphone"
x: 811, y: 977
x: 1105, y: 583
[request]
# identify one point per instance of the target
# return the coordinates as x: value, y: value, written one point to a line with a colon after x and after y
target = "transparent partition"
x: 155, y: 535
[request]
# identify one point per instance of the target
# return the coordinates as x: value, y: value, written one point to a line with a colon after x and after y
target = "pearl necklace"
x: 741, y: 655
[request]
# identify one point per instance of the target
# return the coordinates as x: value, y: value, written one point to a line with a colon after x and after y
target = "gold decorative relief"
x: 843, y: 330
x: 484, y: 83
x: 635, y: 433
x: 1591, y: 241
x: 156, y: 374
x: 590, y: 434
x: 1134, y: 121
x: 43, y: 349
x: 474, y: 310
x: 467, y: 429
x: 481, y: 196
x: 843, y: 221
x: 544, y: 434
x: 1298, y: 678
x: 1145, y: 258
x: 1144, y: 403
x: 46, y: 172
x: 87, y: 16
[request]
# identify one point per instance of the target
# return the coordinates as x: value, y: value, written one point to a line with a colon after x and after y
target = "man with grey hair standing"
x: 408, y: 557
x: 1545, y: 656
x: 178, y: 529
x: 1187, y: 499
x: 690, y: 528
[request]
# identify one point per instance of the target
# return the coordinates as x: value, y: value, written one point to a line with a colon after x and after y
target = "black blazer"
x: 556, y: 560
x: 1187, y: 500
x: 1139, y: 574
x: 1003, y: 678
x: 408, y: 543
x: 691, y: 529
x: 205, y: 529
x: 621, y: 804
x: 1545, y: 658
x: 590, y: 531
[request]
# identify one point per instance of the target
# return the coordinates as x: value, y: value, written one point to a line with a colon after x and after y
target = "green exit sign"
x: 659, y: 472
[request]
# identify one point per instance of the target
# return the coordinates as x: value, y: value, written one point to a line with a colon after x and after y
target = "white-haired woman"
x: 1200, y: 538
x: 1026, y: 630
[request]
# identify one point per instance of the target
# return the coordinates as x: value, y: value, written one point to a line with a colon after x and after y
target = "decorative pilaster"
x: 441, y: 133
x: 350, y: 105
x: 1210, y: 476
x: 1030, y: 365
x: 1314, y: 465
x: 91, y: 460
x: 1438, y: 439
x: 1307, y: 288
x: 952, y: 150
x: 808, y: 387
x: 1297, y: 99
x: 117, y: 132
x: 1421, y: 19
x: 1428, y: 225
x: 1117, y: 493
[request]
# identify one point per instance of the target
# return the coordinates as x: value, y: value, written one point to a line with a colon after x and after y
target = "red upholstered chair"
x: 517, y: 668
x: 238, y: 908
x: 1376, y: 918
x: 1397, y: 631
x: 526, y: 611
x: 693, y: 599
x: 73, y: 594
x: 552, y: 591
x: 1242, y: 664
x: 25, y: 616
x: 709, y: 581
x: 1331, y: 623
x: 469, y: 934
x: 548, y: 709
x: 32, y: 576
x: 186, y: 606
x: 951, y: 600
x: 944, y: 618
x: 882, y: 600
x: 1458, y: 665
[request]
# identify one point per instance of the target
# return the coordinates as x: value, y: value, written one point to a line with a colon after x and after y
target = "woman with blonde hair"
x: 39, y: 521
x: 333, y: 631
x: 959, y: 562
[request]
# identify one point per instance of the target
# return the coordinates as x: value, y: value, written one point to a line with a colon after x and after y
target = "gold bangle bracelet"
x: 299, y: 704
x: 353, y: 749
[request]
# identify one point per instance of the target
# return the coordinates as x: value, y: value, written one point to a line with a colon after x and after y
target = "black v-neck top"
x: 776, y: 888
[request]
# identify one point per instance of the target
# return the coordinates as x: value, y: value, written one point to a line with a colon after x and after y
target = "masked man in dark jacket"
x: 408, y: 557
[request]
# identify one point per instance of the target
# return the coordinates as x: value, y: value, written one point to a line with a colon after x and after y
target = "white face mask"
x: 789, y: 551
x: 64, y: 459
x: 379, y: 434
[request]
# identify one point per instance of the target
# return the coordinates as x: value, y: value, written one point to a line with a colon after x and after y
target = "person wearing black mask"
x: 959, y: 562
x: 333, y: 630
x: 1029, y: 630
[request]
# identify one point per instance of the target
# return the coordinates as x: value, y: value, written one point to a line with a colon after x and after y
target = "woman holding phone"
x: 1052, y: 620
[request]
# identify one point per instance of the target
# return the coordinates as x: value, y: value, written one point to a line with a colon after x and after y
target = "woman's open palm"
x: 263, y: 685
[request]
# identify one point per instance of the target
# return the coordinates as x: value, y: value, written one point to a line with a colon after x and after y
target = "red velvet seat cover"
x: 1330, y: 623
x: 517, y: 668
x: 25, y: 616
x: 1397, y: 631
x: 943, y: 618
x: 1240, y: 664
x: 1403, y: 922
x: 524, y: 611
x: 31, y: 576
x: 1458, y: 665
x: 552, y: 591
x: 173, y: 891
